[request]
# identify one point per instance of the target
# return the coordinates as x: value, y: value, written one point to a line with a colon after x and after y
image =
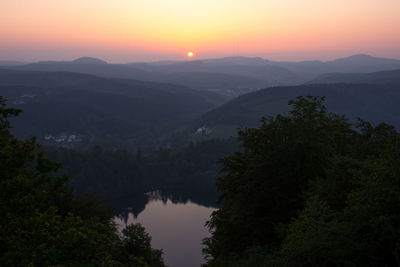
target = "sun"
x: 190, y: 54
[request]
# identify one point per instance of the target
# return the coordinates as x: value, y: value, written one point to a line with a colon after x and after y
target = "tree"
x: 264, y: 184
x: 136, y: 246
x: 365, y: 232
x: 42, y: 223
x: 300, y: 193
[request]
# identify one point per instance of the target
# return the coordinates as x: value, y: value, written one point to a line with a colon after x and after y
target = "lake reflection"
x: 176, y: 225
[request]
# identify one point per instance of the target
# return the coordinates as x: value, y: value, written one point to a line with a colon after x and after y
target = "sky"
x: 151, y: 30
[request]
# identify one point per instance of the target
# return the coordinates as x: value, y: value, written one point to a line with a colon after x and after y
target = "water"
x: 176, y: 226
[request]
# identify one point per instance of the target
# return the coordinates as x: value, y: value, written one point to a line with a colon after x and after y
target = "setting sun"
x: 190, y: 54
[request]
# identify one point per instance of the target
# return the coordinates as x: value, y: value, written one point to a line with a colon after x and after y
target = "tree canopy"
x: 44, y: 224
x: 309, y: 189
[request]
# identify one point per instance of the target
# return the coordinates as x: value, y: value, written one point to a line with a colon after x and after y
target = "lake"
x: 175, y: 223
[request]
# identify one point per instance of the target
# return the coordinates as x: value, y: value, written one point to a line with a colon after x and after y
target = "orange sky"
x: 136, y: 30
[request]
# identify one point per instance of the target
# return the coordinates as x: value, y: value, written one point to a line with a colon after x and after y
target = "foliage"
x: 309, y: 190
x: 119, y: 173
x: 42, y: 223
x: 110, y: 174
x: 189, y: 169
x: 136, y: 246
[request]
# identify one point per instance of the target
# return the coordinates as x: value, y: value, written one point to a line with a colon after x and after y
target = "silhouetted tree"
x: 42, y: 223
x: 307, y: 189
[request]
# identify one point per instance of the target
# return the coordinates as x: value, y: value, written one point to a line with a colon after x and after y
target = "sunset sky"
x: 145, y: 30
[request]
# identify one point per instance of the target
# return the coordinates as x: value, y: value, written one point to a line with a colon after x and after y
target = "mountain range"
x: 102, y: 103
x: 229, y: 76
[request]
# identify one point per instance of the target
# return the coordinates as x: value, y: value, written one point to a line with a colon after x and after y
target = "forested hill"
x: 43, y: 224
x: 309, y: 189
x: 99, y: 110
x: 380, y: 77
x: 202, y: 80
x: 372, y: 102
x: 229, y: 76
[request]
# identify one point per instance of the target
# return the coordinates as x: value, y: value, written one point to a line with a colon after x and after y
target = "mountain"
x: 252, y: 68
x: 372, y: 102
x: 226, y: 84
x: 221, y: 83
x: 114, y: 112
x: 357, y: 63
x: 155, y: 63
x: 239, y: 60
x: 363, y: 63
x: 273, y: 73
x: 11, y: 63
x: 89, y: 67
x: 228, y: 76
x: 88, y: 60
x: 381, y: 77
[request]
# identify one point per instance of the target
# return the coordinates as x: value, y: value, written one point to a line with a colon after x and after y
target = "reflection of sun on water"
x: 190, y: 54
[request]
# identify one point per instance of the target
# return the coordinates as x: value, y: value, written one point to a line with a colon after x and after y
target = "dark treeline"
x: 44, y: 224
x: 116, y: 174
x: 309, y: 189
x: 192, y: 168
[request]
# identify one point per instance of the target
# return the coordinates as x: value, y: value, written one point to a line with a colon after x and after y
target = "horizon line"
x: 194, y: 59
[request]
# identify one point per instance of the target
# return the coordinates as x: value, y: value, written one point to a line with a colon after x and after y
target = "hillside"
x: 97, y: 110
x: 225, y: 83
x: 353, y: 64
x: 381, y: 77
x: 229, y: 76
x: 372, y: 102
x: 282, y: 71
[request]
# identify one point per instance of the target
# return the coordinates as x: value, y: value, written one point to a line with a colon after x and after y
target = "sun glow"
x: 126, y: 30
x: 190, y: 54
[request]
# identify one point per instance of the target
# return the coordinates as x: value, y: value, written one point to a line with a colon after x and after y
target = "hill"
x: 229, y: 76
x: 356, y: 63
x: 382, y: 77
x: 11, y: 63
x: 226, y: 84
x: 88, y: 60
x: 251, y: 68
x: 372, y: 102
x: 115, y: 112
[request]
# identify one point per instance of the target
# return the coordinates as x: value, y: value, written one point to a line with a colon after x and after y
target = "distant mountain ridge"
x: 4, y: 63
x: 89, y: 60
x: 381, y: 77
x: 230, y: 76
